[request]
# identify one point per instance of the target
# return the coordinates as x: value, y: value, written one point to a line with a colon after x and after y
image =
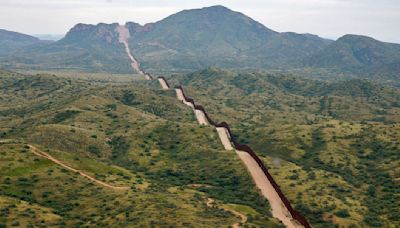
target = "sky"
x: 327, y: 18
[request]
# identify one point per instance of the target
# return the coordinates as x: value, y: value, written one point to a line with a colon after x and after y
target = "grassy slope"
x: 120, y: 133
x: 332, y: 147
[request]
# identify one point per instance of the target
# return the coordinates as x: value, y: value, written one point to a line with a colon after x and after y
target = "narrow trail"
x: 243, y: 218
x: 123, y: 38
x: 51, y: 158
x: 280, y: 206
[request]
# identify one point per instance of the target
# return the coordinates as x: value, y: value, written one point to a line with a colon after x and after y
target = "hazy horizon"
x: 326, y: 18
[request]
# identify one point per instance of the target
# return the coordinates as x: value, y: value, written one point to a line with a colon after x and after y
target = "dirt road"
x: 225, y: 138
x: 179, y: 95
x: 201, y: 117
x: 123, y: 38
x: 279, y: 210
x: 48, y: 156
x: 267, y: 190
x: 163, y: 84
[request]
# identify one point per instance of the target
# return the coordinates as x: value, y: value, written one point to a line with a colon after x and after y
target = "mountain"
x: 360, y: 54
x: 53, y: 37
x: 352, y: 51
x: 16, y: 37
x: 206, y: 37
x: 187, y: 40
x: 9, y: 41
x: 85, y: 48
x: 217, y: 36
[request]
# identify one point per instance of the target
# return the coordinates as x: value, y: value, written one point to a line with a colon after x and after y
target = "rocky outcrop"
x: 86, y: 32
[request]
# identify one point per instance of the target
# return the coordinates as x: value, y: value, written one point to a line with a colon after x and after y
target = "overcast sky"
x: 327, y: 18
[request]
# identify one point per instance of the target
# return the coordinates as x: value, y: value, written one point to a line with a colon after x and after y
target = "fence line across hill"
x: 242, y: 147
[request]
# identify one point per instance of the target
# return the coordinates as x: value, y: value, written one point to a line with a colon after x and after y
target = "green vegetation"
x: 362, y: 56
x: 60, y: 117
x: 124, y: 134
x: 10, y: 41
x: 188, y: 40
x: 86, y: 48
x: 332, y: 146
x: 217, y: 36
x: 198, y: 38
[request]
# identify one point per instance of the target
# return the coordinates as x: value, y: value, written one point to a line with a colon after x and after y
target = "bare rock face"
x: 85, y: 32
x: 80, y: 27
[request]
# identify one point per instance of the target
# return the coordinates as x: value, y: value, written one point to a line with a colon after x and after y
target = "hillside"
x: 187, y: 40
x: 119, y: 132
x: 93, y: 48
x: 217, y: 36
x: 332, y: 147
x: 10, y: 41
x: 211, y: 36
x: 362, y: 55
x: 356, y: 51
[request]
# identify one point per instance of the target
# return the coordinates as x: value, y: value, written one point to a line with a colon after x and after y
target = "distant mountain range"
x: 360, y: 54
x: 52, y: 37
x: 10, y: 41
x: 199, y: 38
x: 217, y: 36
x: 84, y: 48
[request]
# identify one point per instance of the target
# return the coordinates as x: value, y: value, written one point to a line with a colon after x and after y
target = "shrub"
x: 344, y: 213
x: 94, y: 150
x: 128, y: 98
x: 60, y: 117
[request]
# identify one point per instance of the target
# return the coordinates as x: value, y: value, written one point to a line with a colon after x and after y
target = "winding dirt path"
x: 51, y: 158
x: 123, y: 38
x: 243, y: 218
x: 210, y: 202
